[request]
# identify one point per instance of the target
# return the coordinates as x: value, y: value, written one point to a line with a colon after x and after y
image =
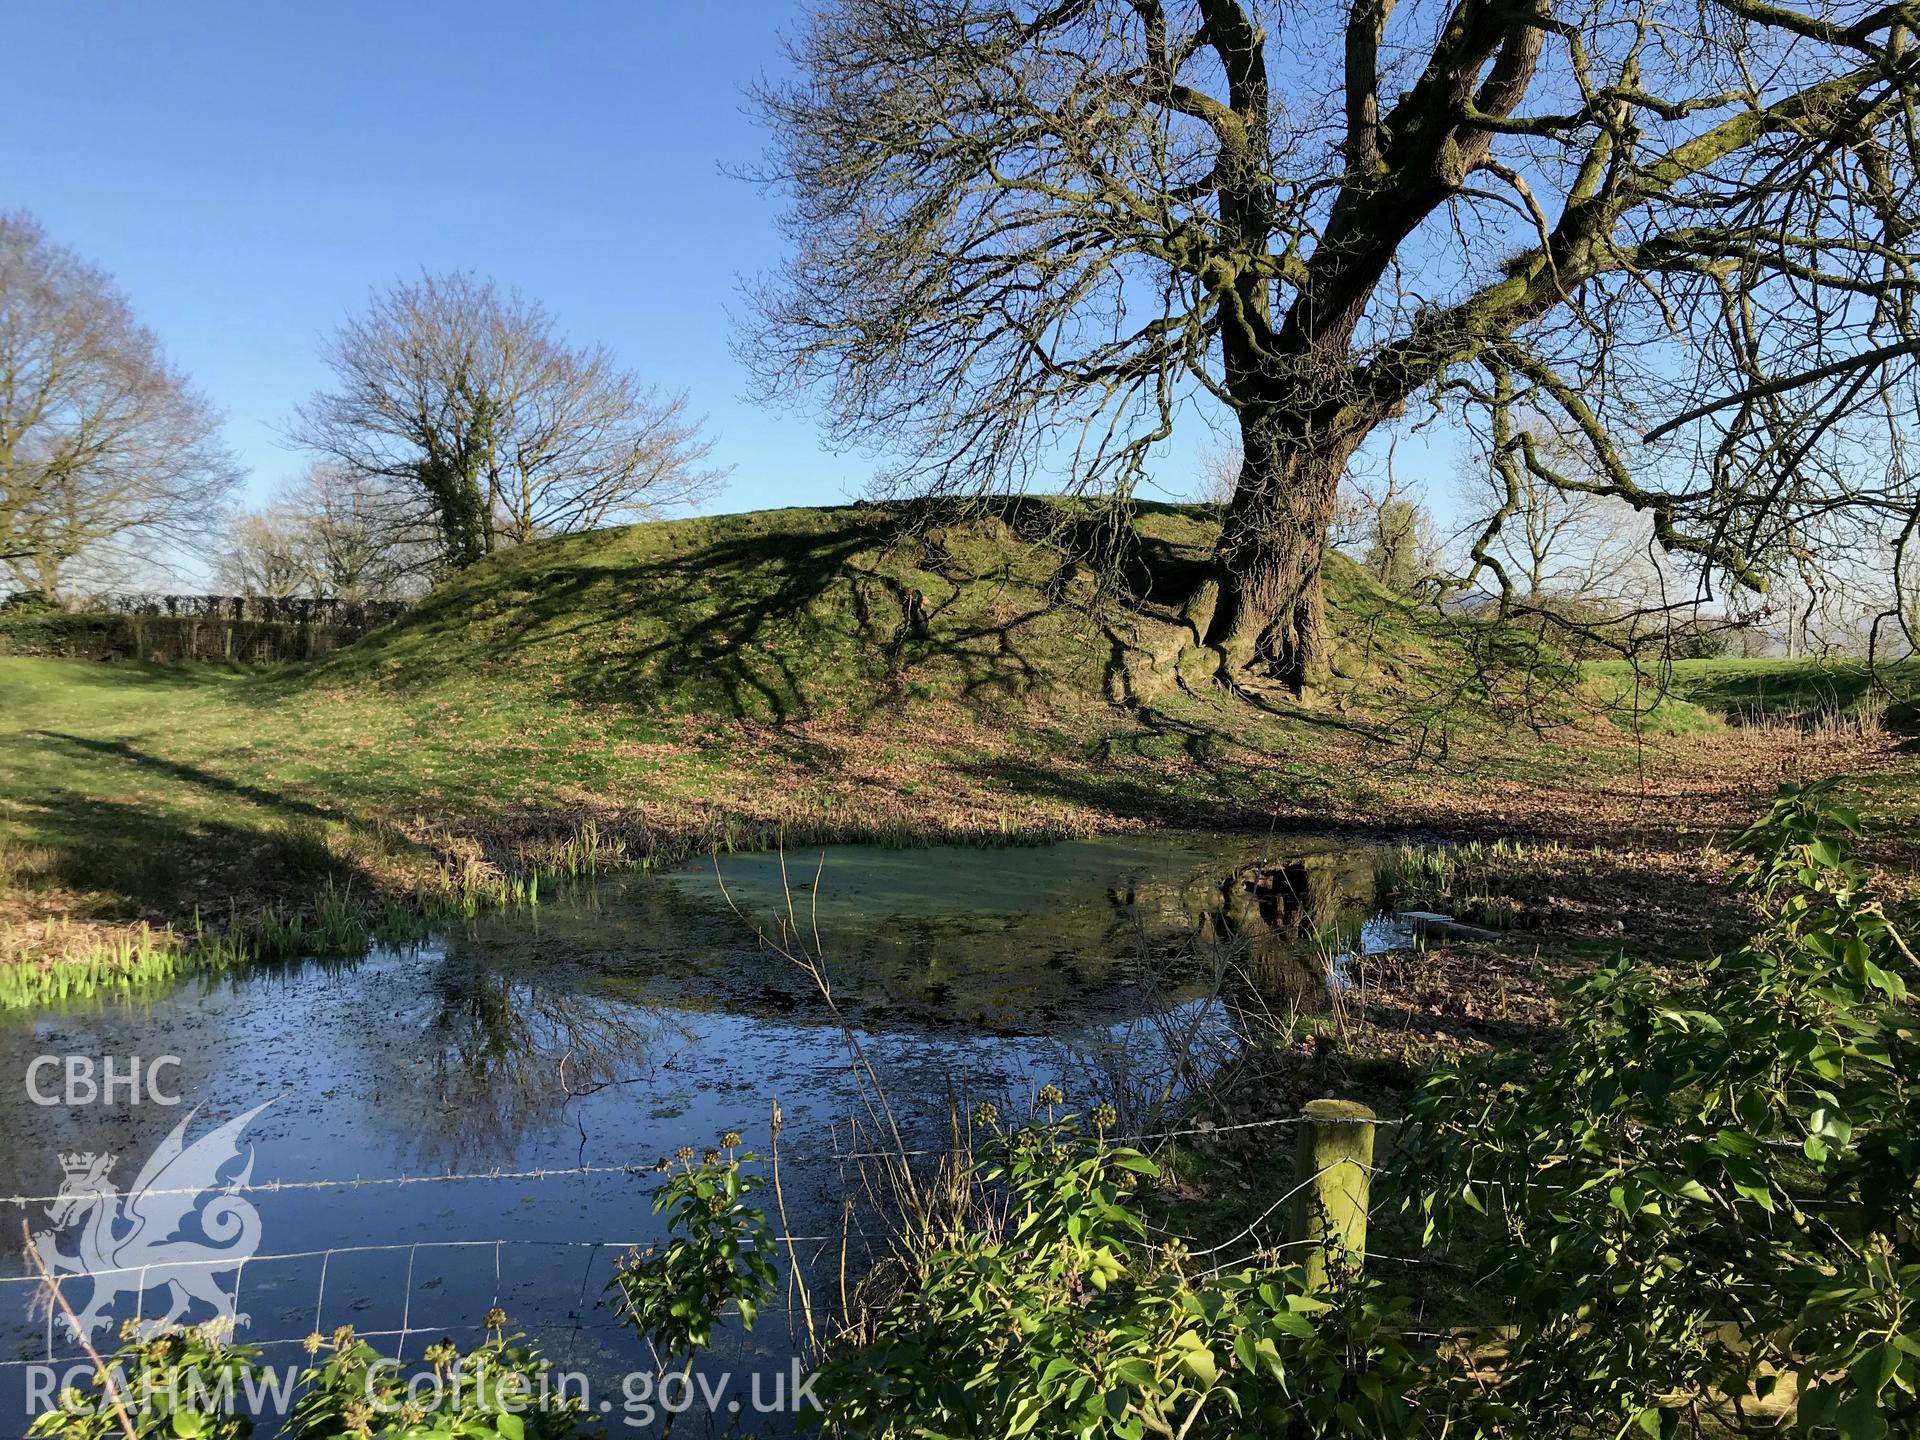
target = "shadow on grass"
x: 136, y: 859
x: 760, y: 617
x: 1800, y: 691
x: 1221, y: 782
x: 188, y: 774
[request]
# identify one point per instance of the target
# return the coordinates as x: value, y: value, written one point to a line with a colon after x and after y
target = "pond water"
x: 539, y: 1064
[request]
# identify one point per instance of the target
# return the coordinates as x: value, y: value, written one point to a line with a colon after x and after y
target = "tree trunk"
x: 453, y: 475
x: 1263, y: 606
x: 453, y: 486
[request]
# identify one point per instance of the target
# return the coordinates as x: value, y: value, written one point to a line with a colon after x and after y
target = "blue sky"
x: 248, y: 172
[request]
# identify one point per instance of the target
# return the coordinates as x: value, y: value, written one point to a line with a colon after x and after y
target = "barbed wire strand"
x: 219, y: 1262
x: 272, y: 1187
x: 639, y: 1171
x: 1278, y: 1121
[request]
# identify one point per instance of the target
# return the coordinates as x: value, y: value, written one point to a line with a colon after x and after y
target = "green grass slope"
x: 1810, y: 695
x: 805, y: 613
x: 854, y: 672
x: 1800, y: 691
x: 778, y: 615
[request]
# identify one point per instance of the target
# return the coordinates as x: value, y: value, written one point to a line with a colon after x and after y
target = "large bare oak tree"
x: 104, y: 448
x: 1028, y: 235
x: 468, y: 401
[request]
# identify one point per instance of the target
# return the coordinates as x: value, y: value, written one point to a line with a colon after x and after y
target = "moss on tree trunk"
x: 1264, y: 606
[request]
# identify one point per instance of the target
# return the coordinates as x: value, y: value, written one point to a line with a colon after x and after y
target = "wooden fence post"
x: 1333, y: 1170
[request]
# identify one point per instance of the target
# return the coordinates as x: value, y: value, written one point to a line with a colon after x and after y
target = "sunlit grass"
x: 633, y: 697
x: 1819, y: 694
x: 336, y: 923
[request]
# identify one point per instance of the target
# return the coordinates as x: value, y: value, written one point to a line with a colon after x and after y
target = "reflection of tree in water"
x: 506, y: 1055
x: 1266, y: 919
x: 1091, y: 958
x: 1279, y: 912
x: 1014, y: 973
x: 615, y: 968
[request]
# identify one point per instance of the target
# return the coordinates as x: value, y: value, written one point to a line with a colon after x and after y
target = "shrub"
x: 498, y: 1390
x: 180, y: 1383
x: 185, y: 1384
x: 719, y: 1255
x: 1063, y: 1320
x: 1706, y: 1203
x: 46, y: 629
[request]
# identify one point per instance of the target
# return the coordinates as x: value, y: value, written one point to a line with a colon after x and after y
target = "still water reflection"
x: 639, y: 1014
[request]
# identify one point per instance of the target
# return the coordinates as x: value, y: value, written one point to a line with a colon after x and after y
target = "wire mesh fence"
x: 406, y: 1291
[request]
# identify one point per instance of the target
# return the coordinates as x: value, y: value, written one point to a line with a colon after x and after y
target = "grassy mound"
x: 799, y: 614
x: 832, y: 674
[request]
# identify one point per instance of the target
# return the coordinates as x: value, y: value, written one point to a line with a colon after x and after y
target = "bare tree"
x: 468, y: 399
x: 1403, y: 552
x: 598, y: 446
x: 265, y: 554
x: 103, y: 446
x: 1557, y: 543
x: 364, y: 539
x: 1219, y: 475
x: 332, y: 533
x: 1026, y: 234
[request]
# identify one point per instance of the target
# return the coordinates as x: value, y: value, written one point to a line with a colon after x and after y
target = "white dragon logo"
x: 127, y: 1243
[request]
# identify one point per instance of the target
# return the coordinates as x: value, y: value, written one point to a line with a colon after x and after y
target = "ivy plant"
x: 185, y: 1384
x: 500, y: 1389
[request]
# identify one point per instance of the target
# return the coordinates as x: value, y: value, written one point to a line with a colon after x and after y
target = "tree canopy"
x: 1027, y: 235
x: 467, y: 403
x: 332, y: 534
x: 103, y: 444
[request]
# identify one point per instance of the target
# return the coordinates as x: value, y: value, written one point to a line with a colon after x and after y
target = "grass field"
x: 1806, y: 692
x: 706, y: 681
